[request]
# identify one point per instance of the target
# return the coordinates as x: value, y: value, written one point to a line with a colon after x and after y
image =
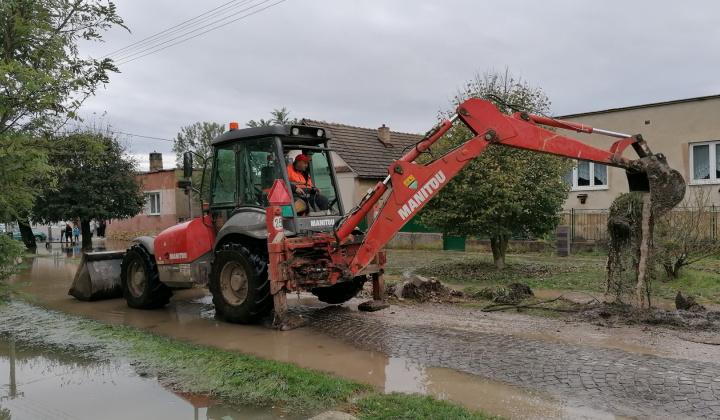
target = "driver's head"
x: 301, y: 162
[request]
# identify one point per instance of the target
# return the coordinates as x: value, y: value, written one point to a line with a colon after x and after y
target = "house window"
x: 588, y: 176
x: 152, y: 206
x: 705, y: 162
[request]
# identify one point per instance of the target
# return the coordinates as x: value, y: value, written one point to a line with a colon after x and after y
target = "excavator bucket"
x: 666, y: 185
x: 98, y: 277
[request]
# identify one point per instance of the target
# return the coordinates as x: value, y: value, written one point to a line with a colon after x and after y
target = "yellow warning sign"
x: 409, y: 180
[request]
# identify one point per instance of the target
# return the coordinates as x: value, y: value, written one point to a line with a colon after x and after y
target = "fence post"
x: 572, y: 225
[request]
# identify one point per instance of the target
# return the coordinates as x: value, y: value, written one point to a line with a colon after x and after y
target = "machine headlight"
x: 320, y: 133
x: 295, y: 131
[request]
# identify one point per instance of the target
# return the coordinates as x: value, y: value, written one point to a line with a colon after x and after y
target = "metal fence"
x: 586, y: 224
x: 591, y: 224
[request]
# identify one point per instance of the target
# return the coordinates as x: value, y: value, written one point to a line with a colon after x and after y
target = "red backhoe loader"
x: 253, y: 245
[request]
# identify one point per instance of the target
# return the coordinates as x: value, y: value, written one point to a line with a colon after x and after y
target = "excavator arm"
x: 413, y: 185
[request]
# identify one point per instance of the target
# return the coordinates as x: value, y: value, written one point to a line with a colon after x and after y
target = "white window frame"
x: 591, y: 187
x: 713, y: 163
x: 149, y: 203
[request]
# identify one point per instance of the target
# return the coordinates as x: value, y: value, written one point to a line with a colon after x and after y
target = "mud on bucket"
x: 98, y: 277
x: 666, y: 185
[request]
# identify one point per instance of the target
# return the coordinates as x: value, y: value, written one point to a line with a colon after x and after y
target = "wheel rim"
x: 234, y: 283
x: 136, y: 279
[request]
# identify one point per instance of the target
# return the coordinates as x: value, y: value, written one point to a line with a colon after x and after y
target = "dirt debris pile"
x: 689, y: 303
x: 512, y: 293
x: 424, y: 289
x: 617, y: 314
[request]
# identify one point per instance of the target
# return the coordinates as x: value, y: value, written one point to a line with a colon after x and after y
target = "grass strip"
x: 396, y: 406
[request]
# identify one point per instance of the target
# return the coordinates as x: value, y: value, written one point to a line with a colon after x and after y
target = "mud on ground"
x: 693, y: 334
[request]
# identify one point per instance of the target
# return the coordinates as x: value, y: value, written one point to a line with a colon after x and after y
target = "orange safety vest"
x: 296, y: 177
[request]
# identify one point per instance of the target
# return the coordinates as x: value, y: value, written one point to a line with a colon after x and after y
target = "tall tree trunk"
x: 499, y: 245
x: 86, y: 235
x: 643, y: 263
x: 27, y: 234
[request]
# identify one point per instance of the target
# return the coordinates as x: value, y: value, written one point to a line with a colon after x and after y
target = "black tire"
x: 38, y: 238
x: 339, y: 292
x: 240, y: 285
x: 140, y: 281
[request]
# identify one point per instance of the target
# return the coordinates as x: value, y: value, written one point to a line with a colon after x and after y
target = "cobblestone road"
x: 615, y: 381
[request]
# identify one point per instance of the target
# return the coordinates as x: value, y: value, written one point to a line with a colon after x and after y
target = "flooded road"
x: 190, y: 317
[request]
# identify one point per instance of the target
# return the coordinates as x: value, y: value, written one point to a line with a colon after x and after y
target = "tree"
x: 279, y: 117
x: 196, y: 138
x: 43, y: 82
x: 684, y: 236
x: 98, y: 182
x: 503, y: 191
x: 42, y: 76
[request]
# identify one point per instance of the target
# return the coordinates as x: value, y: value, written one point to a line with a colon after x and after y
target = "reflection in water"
x: 190, y: 317
x: 46, y: 384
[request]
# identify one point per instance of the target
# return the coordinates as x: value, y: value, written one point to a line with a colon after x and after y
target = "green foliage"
x: 94, y: 180
x: 197, y: 138
x: 23, y: 165
x: 279, y: 117
x: 397, y: 406
x: 43, y: 82
x: 503, y: 191
x: 44, y: 79
x: 10, y: 262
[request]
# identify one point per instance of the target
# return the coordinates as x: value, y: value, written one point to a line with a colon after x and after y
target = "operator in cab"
x: 302, y: 187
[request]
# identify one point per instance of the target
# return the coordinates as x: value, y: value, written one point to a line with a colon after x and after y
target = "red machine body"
x: 185, y: 242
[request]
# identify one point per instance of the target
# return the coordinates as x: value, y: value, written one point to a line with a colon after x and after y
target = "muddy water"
x: 190, y: 317
x: 40, y: 384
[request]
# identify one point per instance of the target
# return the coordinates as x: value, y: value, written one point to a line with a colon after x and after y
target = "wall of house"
x: 668, y: 128
x: 173, y: 205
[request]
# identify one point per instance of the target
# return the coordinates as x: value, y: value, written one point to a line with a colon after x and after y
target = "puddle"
x: 477, y: 393
x: 39, y: 384
x: 190, y: 317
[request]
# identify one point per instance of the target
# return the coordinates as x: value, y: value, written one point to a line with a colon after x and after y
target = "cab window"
x: 224, y: 178
x: 259, y: 168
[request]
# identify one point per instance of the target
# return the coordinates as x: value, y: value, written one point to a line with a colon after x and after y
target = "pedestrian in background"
x: 76, y: 232
x: 62, y: 226
x: 68, y: 232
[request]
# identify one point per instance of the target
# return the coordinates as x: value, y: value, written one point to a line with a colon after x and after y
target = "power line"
x: 154, y: 49
x: 125, y: 61
x: 119, y: 132
x: 142, y: 44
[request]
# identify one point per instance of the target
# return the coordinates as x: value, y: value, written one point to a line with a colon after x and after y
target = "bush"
x: 10, y: 262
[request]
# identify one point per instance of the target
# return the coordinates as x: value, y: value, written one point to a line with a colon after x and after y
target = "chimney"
x: 156, y: 162
x: 384, y: 136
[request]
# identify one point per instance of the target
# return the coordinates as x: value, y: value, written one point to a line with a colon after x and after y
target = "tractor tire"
x: 240, y: 285
x: 140, y: 280
x: 339, y: 292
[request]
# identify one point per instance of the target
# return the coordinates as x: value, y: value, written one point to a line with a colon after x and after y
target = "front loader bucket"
x: 98, y: 277
x: 666, y: 185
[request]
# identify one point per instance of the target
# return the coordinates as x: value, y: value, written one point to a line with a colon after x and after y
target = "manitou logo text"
x: 178, y: 256
x: 322, y: 222
x: 423, y: 193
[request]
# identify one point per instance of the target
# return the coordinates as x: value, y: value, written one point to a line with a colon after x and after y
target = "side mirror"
x: 187, y: 165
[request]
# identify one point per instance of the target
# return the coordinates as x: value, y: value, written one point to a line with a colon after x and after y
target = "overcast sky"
x: 393, y: 62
